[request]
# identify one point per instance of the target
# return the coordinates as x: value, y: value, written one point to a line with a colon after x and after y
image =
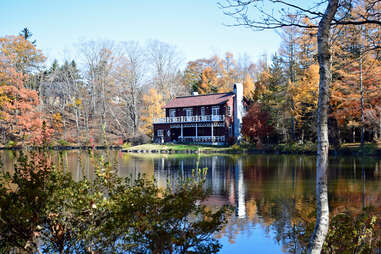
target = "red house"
x: 203, y: 119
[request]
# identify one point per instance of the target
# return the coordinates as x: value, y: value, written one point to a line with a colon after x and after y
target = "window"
x: 188, y: 112
x: 160, y: 133
x: 229, y: 111
x: 172, y: 112
x: 215, y: 111
x: 202, y: 111
x: 168, y: 133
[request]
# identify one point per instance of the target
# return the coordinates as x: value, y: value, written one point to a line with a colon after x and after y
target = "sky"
x: 196, y: 27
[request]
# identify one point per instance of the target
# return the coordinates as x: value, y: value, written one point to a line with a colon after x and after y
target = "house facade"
x: 202, y: 119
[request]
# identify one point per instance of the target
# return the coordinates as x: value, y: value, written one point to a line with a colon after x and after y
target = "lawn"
x: 309, y: 148
x: 182, y: 147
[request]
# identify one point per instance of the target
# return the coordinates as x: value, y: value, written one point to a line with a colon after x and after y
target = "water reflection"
x: 276, y: 194
x: 273, y: 195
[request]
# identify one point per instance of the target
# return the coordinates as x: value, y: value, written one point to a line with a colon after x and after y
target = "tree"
x: 100, y: 58
x: 256, y: 124
x: 248, y: 87
x: 27, y: 35
x: 165, y: 61
x: 305, y: 97
x: 21, y: 54
x: 61, y: 92
x: 20, y: 119
x: 278, y: 17
x: 153, y: 103
x: 129, y: 78
x: 212, y: 75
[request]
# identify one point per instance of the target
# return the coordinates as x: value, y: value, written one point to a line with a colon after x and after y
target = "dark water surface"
x: 273, y: 195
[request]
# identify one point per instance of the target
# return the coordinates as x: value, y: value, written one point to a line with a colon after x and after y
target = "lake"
x: 273, y: 195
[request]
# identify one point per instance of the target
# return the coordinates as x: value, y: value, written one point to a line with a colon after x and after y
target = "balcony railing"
x: 202, y: 139
x: 190, y: 119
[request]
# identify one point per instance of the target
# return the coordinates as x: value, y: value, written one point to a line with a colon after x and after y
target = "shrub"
x: 46, y: 209
x: 139, y: 140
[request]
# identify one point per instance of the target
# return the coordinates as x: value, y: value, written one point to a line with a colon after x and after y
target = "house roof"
x: 199, y: 100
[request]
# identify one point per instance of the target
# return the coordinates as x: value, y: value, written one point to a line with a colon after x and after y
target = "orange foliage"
x: 19, y: 117
x: 212, y: 75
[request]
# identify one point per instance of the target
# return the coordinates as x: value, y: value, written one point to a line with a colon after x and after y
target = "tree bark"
x: 322, y: 213
x: 362, y: 97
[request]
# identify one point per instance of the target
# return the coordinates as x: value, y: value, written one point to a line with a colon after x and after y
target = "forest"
x: 113, y: 90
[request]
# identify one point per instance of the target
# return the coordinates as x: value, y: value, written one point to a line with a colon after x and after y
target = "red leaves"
x: 256, y: 123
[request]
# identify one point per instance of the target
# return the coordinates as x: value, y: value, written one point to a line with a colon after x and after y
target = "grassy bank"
x: 307, y: 148
x: 153, y: 148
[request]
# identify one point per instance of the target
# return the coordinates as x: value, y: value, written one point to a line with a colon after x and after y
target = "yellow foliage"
x: 248, y: 87
x: 153, y: 103
x: 78, y: 102
x: 305, y: 93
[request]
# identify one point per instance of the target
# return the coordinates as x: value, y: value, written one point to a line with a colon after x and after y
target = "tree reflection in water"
x: 277, y: 193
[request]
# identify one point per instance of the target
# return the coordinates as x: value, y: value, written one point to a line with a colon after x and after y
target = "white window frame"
x: 172, y: 112
x: 160, y: 133
x: 202, y: 111
x: 187, y: 110
x: 215, y: 109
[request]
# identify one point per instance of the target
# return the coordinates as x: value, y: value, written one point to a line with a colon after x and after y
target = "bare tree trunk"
x: 64, y: 128
x: 361, y: 100
x: 77, y: 125
x: 322, y: 213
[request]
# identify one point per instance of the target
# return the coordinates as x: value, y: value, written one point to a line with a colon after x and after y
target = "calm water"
x: 273, y: 195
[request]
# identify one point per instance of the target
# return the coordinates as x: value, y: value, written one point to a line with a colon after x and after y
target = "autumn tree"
x: 21, y: 54
x: 153, y: 102
x: 20, y: 119
x: 256, y: 124
x: 212, y: 75
x: 248, y: 87
x: 305, y: 97
x: 277, y: 15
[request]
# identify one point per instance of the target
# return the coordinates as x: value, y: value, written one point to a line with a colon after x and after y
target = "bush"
x: 139, y: 140
x: 10, y: 144
x: 350, y: 233
x: 62, y: 142
x: 46, y: 209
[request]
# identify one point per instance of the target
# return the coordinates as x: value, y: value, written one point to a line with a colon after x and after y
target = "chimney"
x: 238, y: 110
x: 194, y: 93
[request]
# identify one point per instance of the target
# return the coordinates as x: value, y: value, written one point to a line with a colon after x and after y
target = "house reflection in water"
x: 224, y: 178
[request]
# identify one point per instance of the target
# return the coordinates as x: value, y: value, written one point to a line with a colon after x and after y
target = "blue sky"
x: 195, y: 27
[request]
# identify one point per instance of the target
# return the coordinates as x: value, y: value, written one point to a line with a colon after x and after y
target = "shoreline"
x: 369, y: 149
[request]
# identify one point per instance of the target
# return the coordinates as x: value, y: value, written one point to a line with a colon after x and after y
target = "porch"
x: 197, y: 133
x: 202, y: 139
